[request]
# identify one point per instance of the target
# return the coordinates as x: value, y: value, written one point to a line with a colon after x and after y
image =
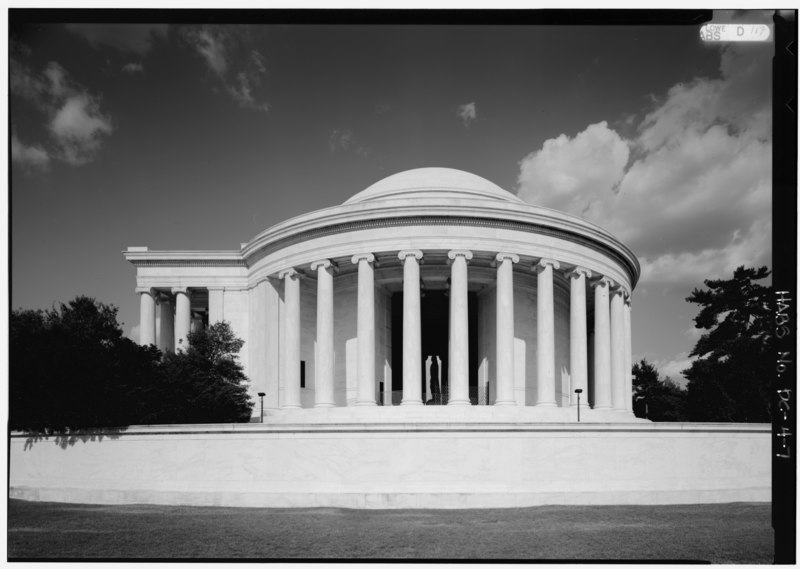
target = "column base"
x: 316, y: 405
x: 366, y: 404
x: 412, y: 402
x: 547, y: 404
x: 291, y: 407
x: 505, y: 404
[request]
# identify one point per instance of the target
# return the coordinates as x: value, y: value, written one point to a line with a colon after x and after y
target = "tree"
x: 70, y: 368
x: 731, y: 379
x: 204, y: 384
x: 656, y: 399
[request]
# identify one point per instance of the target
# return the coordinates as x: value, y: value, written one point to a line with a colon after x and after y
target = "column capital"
x: 405, y: 253
x: 358, y: 257
x: 500, y: 257
x: 544, y: 263
x: 325, y: 264
x: 578, y: 271
x: 290, y: 273
x: 627, y: 299
x: 146, y: 290
x: 453, y: 253
x: 180, y: 289
x: 617, y: 290
x: 602, y: 281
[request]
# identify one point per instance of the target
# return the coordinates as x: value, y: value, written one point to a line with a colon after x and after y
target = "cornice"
x: 601, y: 243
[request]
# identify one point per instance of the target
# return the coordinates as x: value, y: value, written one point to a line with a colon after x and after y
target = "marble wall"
x: 398, y: 465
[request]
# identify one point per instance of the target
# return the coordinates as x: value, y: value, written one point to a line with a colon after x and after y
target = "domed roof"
x: 433, y: 183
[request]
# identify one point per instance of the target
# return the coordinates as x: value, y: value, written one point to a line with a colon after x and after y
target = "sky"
x: 200, y: 136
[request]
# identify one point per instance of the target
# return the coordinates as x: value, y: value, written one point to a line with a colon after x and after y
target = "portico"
x: 537, y: 301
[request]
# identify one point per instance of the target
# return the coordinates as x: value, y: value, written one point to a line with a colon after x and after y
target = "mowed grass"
x: 716, y: 533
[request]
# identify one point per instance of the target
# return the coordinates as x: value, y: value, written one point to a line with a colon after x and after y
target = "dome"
x: 433, y: 183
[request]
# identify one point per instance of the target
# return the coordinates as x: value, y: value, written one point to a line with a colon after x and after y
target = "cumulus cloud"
x: 30, y: 157
x: 551, y: 176
x: 468, y: 113
x: 128, y: 38
x: 691, y: 191
x: 78, y: 127
x: 133, y: 68
x: 74, y: 120
x: 345, y: 140
x: 240, y: 70
x: 672, y: 368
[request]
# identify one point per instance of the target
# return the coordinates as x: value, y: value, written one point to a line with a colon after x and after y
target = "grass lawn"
x: 717, y: 533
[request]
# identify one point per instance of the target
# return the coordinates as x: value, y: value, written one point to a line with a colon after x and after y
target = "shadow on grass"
x: 69, y: 438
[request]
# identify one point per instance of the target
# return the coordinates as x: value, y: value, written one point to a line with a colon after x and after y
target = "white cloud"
x: 467, y: 112
x: 346, y: 141
x: 696, y: 200
x: 129, y: 38
x: 571, y: 173
x: 133, y: 68
x: 32, y: 157
x: 78, y: 127
x: 672, y: 368
x: 222, y: 50
x: 75, y: 122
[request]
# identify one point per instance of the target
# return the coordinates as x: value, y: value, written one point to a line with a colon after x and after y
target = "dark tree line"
x: 71, y: 368
x: 731, y: 379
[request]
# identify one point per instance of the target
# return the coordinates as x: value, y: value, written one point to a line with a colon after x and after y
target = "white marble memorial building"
x: 432, y: 286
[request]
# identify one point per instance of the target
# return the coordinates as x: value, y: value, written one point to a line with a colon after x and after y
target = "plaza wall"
x: 398, y: 464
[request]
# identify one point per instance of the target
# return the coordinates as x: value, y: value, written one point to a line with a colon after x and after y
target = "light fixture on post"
x: 261, y: 395
x: 579, y: 391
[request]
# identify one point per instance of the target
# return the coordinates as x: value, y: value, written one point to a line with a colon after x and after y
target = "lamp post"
x: 261, y: 395
x: 579, y: 391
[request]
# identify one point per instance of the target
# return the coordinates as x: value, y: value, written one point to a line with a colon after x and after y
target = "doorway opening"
x: 435, y: 320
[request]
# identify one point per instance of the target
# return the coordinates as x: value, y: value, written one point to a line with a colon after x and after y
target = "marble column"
x: 617, y: 350
x: 628, y: 356
x: 147, y: 316
x: 183, y: 318
x: 504, y: 325
x: 545, y: 334
x: 216, y: 305
x: 167, y: 343
x: 412, y: 328
x: 602, y: 345
x: 459, y: 328
x: 578, y: 356
x: 323, y: 382
x: 365, y: 392
x: 291, y: 343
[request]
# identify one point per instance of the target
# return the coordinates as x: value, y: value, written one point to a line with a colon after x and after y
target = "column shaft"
x: 323, y: 386
x: 504, y: 325
x: 545, y: 334
x: 183, y: 318
x: 628, y: 357
x: 617, y: 351
x: 147, y: 316
x: 578, y: 356
x: 167, y: 343
x: 366, y: 330
x: 602, y: 346
x: 412, y: 329
x: 459, y: 329
x: 291, y: 344
x: 216, y: 305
